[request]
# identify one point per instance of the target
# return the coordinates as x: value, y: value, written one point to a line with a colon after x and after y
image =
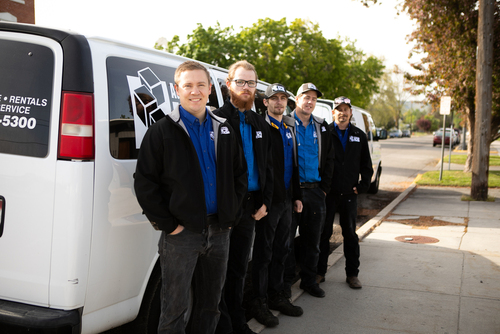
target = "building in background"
x: 20, y: 11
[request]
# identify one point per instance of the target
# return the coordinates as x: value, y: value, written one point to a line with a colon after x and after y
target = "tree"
x: 424, y: 124
x: 291, y: 54
x: 446, y: 37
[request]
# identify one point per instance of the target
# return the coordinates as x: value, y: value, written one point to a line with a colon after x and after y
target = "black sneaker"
x: 260, y: 311
x: 280, y: 302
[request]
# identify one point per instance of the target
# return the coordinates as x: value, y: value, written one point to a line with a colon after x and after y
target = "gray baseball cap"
x: 274, y: 89
x: 308, y: 87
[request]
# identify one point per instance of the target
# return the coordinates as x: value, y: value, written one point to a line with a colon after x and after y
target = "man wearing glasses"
x: 254, y: 137
x: 315, y: 160
x: 352, y: 160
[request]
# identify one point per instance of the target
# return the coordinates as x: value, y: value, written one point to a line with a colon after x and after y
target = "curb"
x: 362, y: 232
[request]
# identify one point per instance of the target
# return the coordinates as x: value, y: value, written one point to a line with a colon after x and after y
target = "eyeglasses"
x: 340, y: 100
x: 250, y: 83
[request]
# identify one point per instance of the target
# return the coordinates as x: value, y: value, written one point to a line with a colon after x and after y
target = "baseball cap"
x: 308, y: 87
x: 342, y: 99
x: 275, y: 89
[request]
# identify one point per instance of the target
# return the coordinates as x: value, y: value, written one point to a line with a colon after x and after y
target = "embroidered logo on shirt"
x: 289, y: 135
x: 315, y: 135
x: 323, y: 129
x: 258, y: 134
x: 224, y: 130
x: 212, y: 135
x: 354, y: 139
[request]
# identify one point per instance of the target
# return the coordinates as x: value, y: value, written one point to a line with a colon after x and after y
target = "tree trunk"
x: 484, y: 81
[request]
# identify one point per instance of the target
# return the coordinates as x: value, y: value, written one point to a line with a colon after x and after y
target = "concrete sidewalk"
x: 441, y: 277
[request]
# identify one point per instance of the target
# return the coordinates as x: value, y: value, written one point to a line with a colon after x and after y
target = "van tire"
x: 375, y: 184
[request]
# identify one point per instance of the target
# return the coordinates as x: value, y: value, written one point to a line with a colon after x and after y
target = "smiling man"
x: 315, y: 160
x: 187, y: 158
x: 254, y: 136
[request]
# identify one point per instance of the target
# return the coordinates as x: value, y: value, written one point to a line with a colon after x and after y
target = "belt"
x: 309, y: 185
x: 212, y: 219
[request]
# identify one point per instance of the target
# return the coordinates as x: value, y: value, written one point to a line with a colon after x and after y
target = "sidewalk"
x: 446, y: 279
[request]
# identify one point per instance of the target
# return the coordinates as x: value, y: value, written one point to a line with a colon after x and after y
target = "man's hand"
x: 297, y: 206
x: 177, y: 230
x: 262, y: 212
x: 355, y: 190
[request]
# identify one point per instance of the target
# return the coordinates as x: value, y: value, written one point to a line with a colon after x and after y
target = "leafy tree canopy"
x: 287, y: 53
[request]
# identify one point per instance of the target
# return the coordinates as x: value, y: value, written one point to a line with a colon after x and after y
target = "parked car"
x: 395, y: 133
x: 406, y: 133
x: 437, y: 139
x: 381, y: 133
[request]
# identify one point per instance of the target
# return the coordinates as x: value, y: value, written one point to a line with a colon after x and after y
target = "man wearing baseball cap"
x: 272, y: 232
x: 315, y: 159
x: 352, y: 160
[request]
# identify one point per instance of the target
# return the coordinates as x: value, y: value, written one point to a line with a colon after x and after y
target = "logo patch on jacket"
x: 258, y: 134
x: 323, y: 129
x: 224, y: 130
x: 354, y: 139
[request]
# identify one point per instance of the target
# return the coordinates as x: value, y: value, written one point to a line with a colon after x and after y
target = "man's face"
x: 306, y: 103
x: 342, y: 114
x: 242, y: 97
x: 276, y: 104
x: 193, y: 89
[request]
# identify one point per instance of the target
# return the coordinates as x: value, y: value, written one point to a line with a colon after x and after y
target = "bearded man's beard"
x: 242, y: 102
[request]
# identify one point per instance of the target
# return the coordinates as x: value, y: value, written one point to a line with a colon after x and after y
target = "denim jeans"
x: 232, y: 317
x: 347, y: 207
x: 271, y: 246
x: 198, y: 258
x: 311, y: 224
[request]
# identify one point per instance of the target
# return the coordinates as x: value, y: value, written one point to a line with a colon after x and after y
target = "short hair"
x: 242, y: 63
x: 190, y: 65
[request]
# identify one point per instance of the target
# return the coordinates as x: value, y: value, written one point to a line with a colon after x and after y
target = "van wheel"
x: 374, y: 185
x: 149, y: 315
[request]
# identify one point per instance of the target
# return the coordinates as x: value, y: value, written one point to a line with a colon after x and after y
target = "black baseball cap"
x: 308, y: 87
x: 274, y: 89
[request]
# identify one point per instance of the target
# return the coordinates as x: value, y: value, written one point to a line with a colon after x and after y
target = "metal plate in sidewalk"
x: 417, y: 239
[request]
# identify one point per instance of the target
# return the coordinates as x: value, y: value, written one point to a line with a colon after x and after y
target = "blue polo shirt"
x: 246, y: 138
x: 202, y: 137
x: 286, y: 136
x: 308, y: 151
x: 343, y: 134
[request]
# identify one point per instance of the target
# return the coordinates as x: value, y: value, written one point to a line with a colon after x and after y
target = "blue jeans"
x: 198, y: 258
x: 311, y: 224
x: 270, y: 250
x: 347, y: 207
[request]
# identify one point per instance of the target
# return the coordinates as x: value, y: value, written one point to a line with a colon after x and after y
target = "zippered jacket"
x: 262, y: 148
x: 169, y: 182
x: 352, y: 163
x: 279, y: 194
x: 325, y: 149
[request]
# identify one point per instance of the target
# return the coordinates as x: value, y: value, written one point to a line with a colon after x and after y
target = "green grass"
x: 460, y: 159
x: 455, y: 178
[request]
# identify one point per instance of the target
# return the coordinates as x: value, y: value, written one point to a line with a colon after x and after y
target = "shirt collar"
x: 191, y: 120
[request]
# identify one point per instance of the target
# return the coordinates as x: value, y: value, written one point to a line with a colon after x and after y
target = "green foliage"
x: 290, y: 54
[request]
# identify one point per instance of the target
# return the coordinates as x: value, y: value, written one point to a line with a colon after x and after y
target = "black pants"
x: 270, y: 250
x: 347, y: 207
x: 232, y: 316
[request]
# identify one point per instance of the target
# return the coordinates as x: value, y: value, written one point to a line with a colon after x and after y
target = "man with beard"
x: 315, y: 159
x: 352, y: 160
x: 254, y: 137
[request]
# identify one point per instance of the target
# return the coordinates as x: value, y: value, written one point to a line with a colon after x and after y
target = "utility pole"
x: 484, y: 82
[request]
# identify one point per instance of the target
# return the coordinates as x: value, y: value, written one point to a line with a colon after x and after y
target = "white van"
x: 363, y: 120
x: 76, y: 252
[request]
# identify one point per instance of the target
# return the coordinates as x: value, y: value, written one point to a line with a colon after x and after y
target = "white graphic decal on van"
x: 151, y: 101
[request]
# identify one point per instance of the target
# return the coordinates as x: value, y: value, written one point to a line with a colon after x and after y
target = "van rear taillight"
x: 76, y: 136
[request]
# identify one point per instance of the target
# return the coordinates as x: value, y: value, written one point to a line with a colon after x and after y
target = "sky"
x: 377, y: 30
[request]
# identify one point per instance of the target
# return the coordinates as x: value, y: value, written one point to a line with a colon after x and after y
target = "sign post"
x: 444, y: 110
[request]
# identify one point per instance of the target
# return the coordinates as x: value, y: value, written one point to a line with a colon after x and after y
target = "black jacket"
x: 352, y: 163
x: 279, y: 193
x: 262, y: 148
x: 326, y: 151
x: 168, y: 179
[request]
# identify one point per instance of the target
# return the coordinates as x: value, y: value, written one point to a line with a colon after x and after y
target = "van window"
x: 27, y: 72
x: 139, y: 94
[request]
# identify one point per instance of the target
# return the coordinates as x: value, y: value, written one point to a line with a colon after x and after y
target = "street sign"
x: 445, y: 105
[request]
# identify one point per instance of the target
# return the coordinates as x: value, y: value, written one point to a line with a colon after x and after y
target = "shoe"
x: 260, y: 311
x: 280, y: 302
x: 320, y: 279
x: 244, y: 330
x: 314, y: 290
x: 353, y: 282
